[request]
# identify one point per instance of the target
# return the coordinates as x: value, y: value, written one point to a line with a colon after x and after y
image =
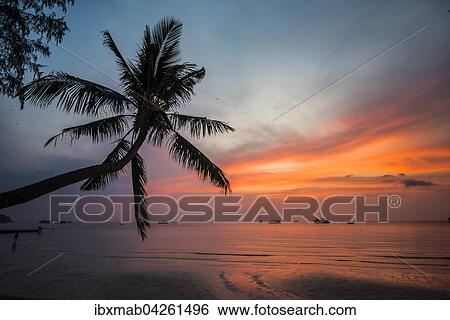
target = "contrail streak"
x: 353, y: 70
x: 43, y: 265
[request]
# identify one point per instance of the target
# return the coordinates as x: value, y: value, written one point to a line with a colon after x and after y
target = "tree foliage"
x: 154, y: 86
x: 26, y: 29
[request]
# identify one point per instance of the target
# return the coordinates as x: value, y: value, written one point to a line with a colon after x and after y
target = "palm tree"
x: 155, y: 85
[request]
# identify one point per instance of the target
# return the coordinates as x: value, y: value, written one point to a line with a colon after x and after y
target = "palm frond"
x: 126, y: 68
x: 166, y: 37
x: 158, y: 51
x: 157, y: 136
x: 99, y: 130
x: 177, y: 87
x: 75, y: 95
x: 139, y: 179
x: 199, y: 126
x: 145, y: 60
x: 187, y: 155
x: 102, y: 180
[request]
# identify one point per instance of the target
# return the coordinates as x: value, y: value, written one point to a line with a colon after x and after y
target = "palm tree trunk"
x: 35, y: 190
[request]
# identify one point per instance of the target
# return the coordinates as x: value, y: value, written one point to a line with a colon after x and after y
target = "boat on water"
x: 275, y: 221
x: 19, y: 227
x: 320, y: 221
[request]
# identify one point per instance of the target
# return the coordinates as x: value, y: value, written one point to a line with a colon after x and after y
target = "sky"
x: 384, y: 129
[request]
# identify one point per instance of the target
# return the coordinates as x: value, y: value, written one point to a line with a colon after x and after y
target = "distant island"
x: 5, y: 219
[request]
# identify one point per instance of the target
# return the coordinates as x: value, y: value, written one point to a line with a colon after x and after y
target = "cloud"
x: 417, y: 183
x: 387, y: 178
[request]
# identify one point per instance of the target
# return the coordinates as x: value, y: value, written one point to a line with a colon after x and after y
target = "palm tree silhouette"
x: 155, y: 84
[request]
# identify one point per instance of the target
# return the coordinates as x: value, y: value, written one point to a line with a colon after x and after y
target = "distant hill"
x: 4, y: 219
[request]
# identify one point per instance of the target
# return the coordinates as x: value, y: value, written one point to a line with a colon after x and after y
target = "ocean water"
x: 229, y: 261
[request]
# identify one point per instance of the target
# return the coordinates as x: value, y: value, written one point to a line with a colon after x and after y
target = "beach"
x: 229, y: 261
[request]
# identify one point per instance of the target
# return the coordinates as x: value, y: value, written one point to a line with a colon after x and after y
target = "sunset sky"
x: 385, y: 129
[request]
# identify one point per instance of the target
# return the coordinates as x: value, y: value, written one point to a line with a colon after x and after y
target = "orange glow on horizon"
x: 351, y: 152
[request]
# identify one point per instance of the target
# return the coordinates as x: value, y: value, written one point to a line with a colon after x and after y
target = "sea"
x: 404, y: 260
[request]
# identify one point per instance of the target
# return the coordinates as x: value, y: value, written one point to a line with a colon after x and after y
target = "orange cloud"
x: 408, y: 135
